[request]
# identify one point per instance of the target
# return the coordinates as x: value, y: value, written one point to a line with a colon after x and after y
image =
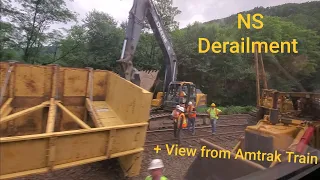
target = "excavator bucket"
x: 147, y: 79
x: 219, y: 168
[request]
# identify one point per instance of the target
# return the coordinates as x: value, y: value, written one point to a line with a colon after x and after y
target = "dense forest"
x: 228, y: 79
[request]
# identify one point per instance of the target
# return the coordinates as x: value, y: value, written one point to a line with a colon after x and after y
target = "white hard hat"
x: 189, y: 103
x: 178, y: 106
x: 156, y: 164
x: 181, y: 109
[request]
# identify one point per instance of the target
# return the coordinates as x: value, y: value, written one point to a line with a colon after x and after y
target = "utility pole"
x: 256, y: 61
x: 265, y: 84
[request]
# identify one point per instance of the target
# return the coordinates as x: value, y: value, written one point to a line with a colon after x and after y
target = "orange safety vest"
x: 184, y: 122
x: 182, y: 94
x: 190, y: 113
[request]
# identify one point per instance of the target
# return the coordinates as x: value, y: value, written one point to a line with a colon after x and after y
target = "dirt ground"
x: 175, y: 168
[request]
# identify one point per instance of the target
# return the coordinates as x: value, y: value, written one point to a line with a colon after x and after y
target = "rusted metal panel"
x: 21, y: 155
x: 130, y: 102
x: 29, y: 81
x: 77, y: 147
x: 124, y: 142
x: 75, y: 82
x: 67, y: 123
x: 29, y: 123
x: 99, y: 84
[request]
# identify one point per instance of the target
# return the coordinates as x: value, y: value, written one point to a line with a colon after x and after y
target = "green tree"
x: 33, y: 22
x: 104, y: 40
x: 167, y: 12
x: 96, y: 43
x: 73, y: 48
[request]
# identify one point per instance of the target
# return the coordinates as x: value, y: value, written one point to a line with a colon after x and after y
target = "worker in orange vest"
x: 191, y: 110
x: 174, y: 115
x: 182, y: 123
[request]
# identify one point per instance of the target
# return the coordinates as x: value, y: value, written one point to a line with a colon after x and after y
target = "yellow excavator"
x: 174, y: 92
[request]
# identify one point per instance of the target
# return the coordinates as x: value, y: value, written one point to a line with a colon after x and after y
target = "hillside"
x: 303, y: 14
x: 228, y: 79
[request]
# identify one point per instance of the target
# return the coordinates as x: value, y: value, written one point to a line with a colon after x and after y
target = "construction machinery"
x: 56, y: 117
x: 174, y: 92
x: 288, y: 125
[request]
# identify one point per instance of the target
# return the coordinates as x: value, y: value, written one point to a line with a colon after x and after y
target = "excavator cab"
x: 179, y: 93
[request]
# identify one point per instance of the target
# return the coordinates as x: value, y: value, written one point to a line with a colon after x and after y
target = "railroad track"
x: 199, y: 127
x: 158, y: 121
x: 192, y: 138
x: 225, y: 131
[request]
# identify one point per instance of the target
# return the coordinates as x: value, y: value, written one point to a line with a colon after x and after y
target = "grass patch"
x: 229, y: 109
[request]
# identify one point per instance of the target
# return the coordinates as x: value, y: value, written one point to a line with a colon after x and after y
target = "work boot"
x: 213, y: 133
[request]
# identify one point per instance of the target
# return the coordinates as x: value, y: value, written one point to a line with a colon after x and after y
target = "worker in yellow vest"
x: 155, y: 169
x: 213, y: 113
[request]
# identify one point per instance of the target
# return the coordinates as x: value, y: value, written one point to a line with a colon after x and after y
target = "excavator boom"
x: 145, y: 10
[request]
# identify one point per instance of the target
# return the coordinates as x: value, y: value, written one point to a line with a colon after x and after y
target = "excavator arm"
x: 140, y: 11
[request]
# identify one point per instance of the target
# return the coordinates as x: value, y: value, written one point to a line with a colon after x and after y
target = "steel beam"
x: 24, y: 112
x: 74, y: 117
x: 6, y: 108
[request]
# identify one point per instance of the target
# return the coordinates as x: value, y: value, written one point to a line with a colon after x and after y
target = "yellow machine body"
x: 57, y: 117
x: 279, y: 130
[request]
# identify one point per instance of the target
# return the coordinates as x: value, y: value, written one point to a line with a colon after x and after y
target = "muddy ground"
x: 110, y: 170
x: 175, y: 168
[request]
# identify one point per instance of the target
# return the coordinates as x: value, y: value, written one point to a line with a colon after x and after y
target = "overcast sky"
x: 192, y: 10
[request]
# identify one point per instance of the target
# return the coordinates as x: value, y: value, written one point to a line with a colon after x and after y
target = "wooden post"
x: 257, y: 76
x: 265, y: 83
